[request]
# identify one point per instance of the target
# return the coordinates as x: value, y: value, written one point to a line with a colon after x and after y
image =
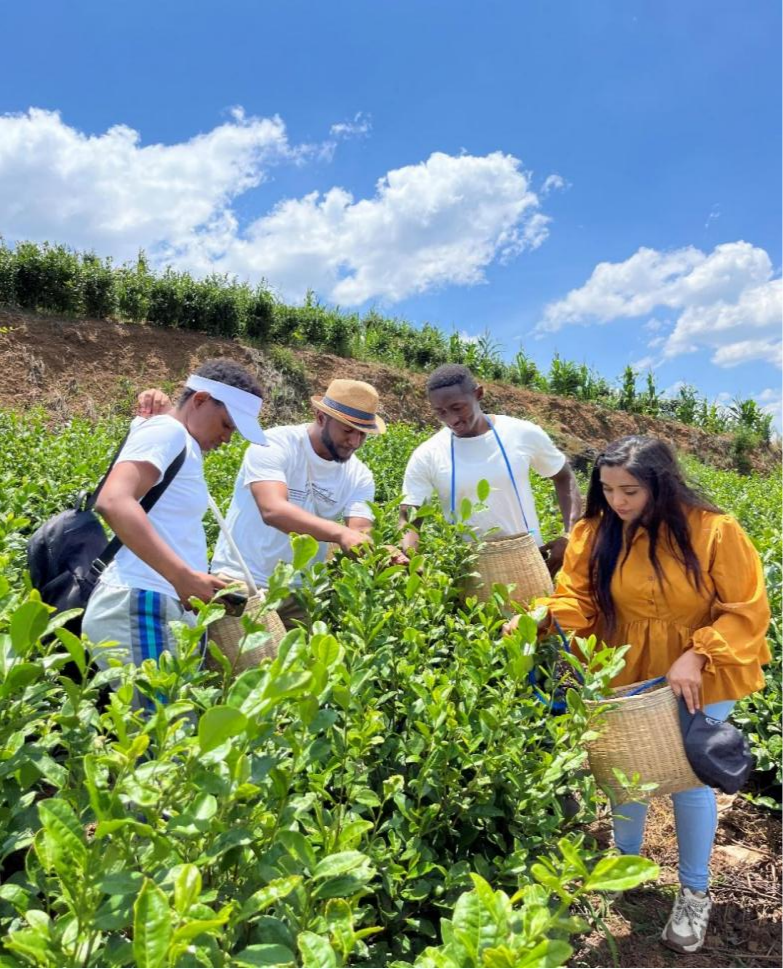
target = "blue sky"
x: 597, y: 178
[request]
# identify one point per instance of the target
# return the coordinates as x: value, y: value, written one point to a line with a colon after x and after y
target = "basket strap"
x: 251, y: 585
x: 508, y: 468
x: 562, y: 635
x: 557, y: 706
x: 645, y: 686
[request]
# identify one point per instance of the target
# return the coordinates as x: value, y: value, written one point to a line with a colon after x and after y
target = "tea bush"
x: 349, y: 804
x: 329, y: 808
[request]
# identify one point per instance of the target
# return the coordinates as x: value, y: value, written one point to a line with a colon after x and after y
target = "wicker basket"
x: 228, y: 633
x: 332, y: 548
x: 511, y: 559
x: 641, y: 735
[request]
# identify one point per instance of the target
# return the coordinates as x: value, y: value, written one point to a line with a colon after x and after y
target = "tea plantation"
x: 388, y: 792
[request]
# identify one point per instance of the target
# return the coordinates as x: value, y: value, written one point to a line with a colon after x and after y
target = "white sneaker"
x: 687, y: 926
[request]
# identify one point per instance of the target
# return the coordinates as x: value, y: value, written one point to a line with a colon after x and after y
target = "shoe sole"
x: 684, y: 949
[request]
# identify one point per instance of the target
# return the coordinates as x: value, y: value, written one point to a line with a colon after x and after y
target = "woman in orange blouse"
x: 655, y: 565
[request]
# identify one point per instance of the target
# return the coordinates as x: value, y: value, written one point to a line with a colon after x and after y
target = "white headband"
x: 242, y: 406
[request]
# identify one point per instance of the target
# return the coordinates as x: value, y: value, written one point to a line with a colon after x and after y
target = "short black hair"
x: 451, y: 375
x: 226, y: 372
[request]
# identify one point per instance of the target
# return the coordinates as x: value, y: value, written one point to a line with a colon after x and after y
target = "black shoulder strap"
x: 147, y: 503
x: 89, y: 504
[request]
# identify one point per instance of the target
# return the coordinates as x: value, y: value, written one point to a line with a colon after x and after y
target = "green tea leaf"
x: 620, y: 874
x: 75, y: 648
x: 316, y: 951
x: 305, y: 548
x: 28, y: 624
x: 151, y: 926
x: 299, y: 847
x: 339, y: 863
x: 121, y: 883
x: 264, y: 954
x: 187, y: 887
x: 476, y: 926
x: 550, y: 952
x: 269, y: 894
x: 326, y: 649
x: 64, y: 830
x: 20, y: 676
x: 219, y: 724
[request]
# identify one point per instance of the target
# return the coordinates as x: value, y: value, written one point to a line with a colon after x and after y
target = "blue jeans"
x: 695, y: 820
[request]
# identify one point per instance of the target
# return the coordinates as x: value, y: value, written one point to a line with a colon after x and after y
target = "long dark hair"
x: 654, y: 465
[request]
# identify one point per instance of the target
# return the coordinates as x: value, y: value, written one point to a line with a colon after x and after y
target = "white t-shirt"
x: 178, y: 513
x: 527, y: 446
x: 329, y: 489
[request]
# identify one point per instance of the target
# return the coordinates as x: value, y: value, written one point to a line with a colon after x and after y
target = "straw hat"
x: 352, y: 402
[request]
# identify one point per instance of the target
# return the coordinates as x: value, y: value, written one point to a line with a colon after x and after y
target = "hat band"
x: 362, y: 416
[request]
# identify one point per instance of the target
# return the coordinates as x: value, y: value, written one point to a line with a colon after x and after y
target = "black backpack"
x: 67, y: 554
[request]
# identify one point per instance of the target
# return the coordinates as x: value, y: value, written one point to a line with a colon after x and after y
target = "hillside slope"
x: 87, y: 367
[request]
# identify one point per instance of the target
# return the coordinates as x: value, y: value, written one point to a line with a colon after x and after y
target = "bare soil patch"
x: 88, y: 367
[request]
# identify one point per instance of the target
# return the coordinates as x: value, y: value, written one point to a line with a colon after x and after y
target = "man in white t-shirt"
x: 163, y: 560
x: 305, y: 481
x: 308, y: 480
x: 474, y: 446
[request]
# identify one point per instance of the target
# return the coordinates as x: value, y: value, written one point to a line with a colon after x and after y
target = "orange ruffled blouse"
x: 726, y: 620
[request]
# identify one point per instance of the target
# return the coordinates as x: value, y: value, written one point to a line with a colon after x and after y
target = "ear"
x: 320, y: 418
x: 479, y: 392
x: 200, y: 397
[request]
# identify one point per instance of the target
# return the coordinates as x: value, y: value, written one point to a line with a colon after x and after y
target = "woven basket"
x: 332, y: 548
x: 641, y: 735
x: 511, y: 559
x: 228, y: 633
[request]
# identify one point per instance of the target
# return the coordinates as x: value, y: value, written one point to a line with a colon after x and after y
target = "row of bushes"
x: 57, y: 279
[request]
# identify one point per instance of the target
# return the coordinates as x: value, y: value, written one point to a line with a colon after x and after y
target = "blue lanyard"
x: 508, y: 468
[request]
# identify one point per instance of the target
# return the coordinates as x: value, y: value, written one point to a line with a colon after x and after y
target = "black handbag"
x: 67, y: 553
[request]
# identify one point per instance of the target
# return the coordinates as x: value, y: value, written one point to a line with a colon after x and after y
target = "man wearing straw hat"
x: 473, y: 445
x: 303, y: 482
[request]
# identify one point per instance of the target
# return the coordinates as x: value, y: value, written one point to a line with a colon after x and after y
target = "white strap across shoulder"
x: 252, y: 588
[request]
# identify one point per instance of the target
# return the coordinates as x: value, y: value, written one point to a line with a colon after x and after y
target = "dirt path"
x: 745, y: 928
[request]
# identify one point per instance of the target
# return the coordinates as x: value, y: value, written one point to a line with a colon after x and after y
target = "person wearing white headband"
x: 309, y: 481
x: 163, y: 561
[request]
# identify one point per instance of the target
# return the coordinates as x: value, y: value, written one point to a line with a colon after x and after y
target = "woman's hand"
x: 684, y: 677
x: 511, y: 625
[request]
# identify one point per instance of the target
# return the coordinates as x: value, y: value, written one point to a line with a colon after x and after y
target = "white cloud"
x: 553, y: 183
x: 468, y: 337
x: 111, y: 193
x: 771, y: 402
x: 358, y: 128
x: 440, y: 222
x: 720, y: 297
x: 674, y: 389
x: 745, y: 350
x: 645, y: 363
x: 713, y: 216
